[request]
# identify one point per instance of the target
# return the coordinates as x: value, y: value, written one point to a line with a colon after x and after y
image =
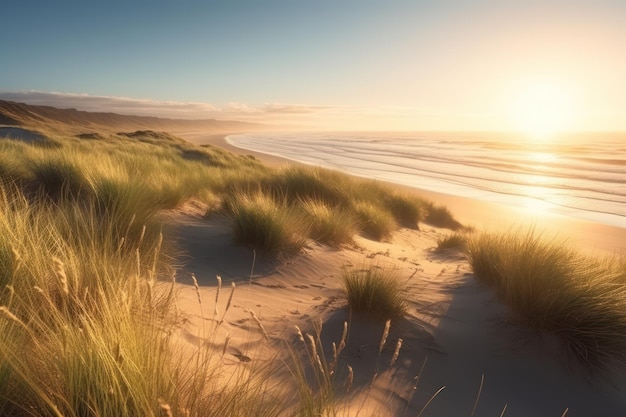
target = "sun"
x: 542, y: 109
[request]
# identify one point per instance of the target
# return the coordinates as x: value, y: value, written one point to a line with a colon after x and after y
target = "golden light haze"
x: 542, y: 109
x: 536, y: 67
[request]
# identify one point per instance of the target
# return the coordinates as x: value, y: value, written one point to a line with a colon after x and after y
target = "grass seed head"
x: 383, y: 339
x: 396, y: 352
x: 300, y: 336
x: 164, y: 408
x: 350, y: 378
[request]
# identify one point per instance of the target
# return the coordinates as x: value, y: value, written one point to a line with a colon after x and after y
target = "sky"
x: 338, y: 64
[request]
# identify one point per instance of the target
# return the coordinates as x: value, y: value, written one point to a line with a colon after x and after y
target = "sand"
x: 24, y: 135
x: 455, y: 333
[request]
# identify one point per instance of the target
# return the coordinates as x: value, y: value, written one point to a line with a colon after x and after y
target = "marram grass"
x: 375, y: 291
x: 375, y: 222
x: 440, y: 216
x: 86, y: 289
x: 555, y: 289
x: 454, y: 241
x: 79, y: 334
x: 334, y: 226
x: 261, y: 222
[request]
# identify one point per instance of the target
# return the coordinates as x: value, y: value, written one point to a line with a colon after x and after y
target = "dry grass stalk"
x: 319, y: 364
x: 342, y: 344
x: 313, y: 345
x: 350, y: 378
x: 258, y: 322
x: 480, y: 390
x: 229, y: 302
x: 59, y: 271
x: 119, y: 245
x: 17, y: 259
x: 138, y: 261
x: 12, y: 316
x: 396, y: 352
x: 142, y: 235
x: 226, y: 343
x: 197, y: 287
x: 383, y: 340
x: 344, y: 336
x: 430, y: 400
x: 217, y: 294
x: 300, y: 336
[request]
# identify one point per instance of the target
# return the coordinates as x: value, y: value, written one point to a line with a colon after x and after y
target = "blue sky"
x: 444, y: 65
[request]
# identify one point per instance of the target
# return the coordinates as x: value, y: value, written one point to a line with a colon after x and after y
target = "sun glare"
x: 541, y: 110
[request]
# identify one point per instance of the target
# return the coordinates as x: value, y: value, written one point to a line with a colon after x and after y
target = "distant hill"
x: 76, y: 121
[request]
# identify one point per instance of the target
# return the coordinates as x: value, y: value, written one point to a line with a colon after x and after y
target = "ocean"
x: 576, y: 175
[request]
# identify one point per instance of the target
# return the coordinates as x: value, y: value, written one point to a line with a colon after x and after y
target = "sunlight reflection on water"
x: 580, y: 176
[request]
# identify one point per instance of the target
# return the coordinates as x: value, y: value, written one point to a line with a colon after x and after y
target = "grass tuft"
x: 263, y: 223
x: 406, y: 209
x: 308, y: 183
x: 554, y: 289
x: 440, y: 216
x: 375, y: 291
x: 330, y: 225
x: 57, y: 178
x: 375, y: 222
x: 455, y: 241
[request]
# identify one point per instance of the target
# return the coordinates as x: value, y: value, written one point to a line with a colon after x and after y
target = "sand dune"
x: 455, y: 333
x: 454, y: 325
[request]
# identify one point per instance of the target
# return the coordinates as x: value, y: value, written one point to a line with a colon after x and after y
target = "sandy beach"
x: 455, y: 335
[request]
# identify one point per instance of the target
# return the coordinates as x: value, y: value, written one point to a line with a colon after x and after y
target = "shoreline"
x: 585, y: 235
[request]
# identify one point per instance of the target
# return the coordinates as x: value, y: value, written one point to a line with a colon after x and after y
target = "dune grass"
x: 57, y: 177
x: 262, y: 222
x: 296, y: 183
x: 324, y: 379
x: 407, y: 210
x: 375, y: 291
x: 84, y: 313
x: 454, y: 241
x: 335, y: 206
x: 149, y: 171
x: 330, y: 225
x: 375, y: 222
x: 440, y: 216
x: 555, y: 289
x: 82, y: 319
x: 86, y: 288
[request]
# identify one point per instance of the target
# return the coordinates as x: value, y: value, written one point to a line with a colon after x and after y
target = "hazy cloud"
x: 301, y: 116
x: 293, y: 108
x: 123, y: 105
x: 273, y: 112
